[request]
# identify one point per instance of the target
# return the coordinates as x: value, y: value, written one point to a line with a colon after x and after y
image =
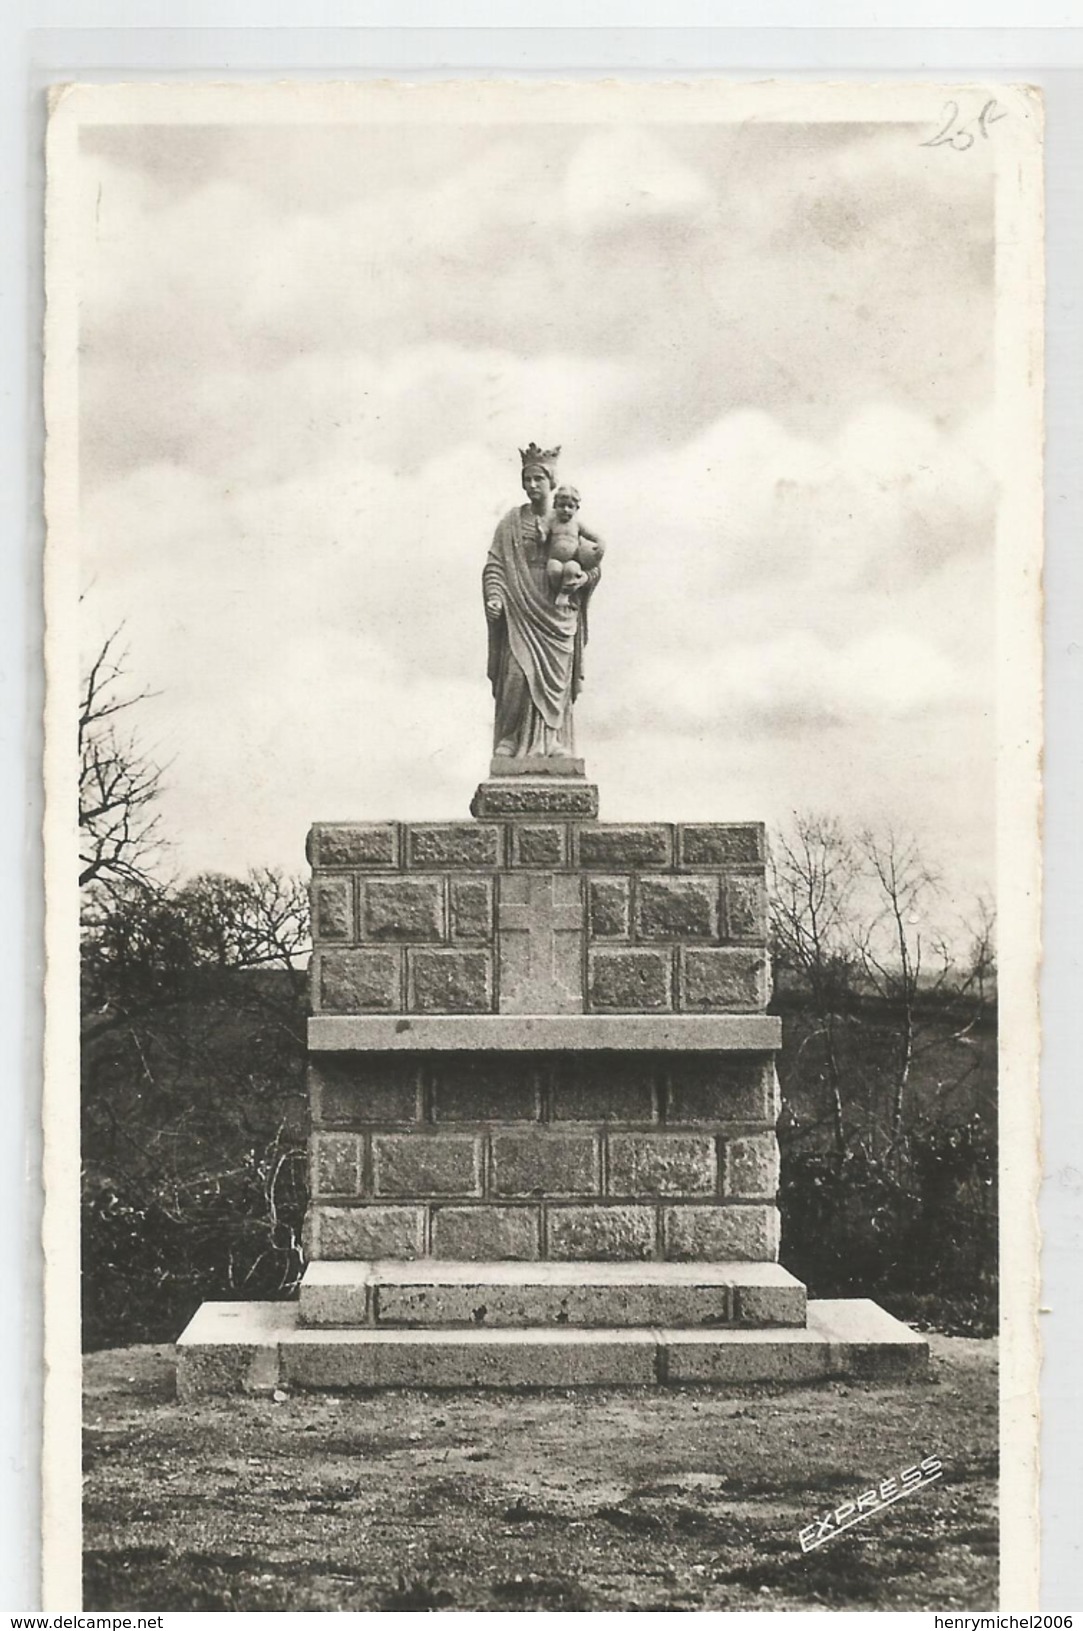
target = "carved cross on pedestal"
x: 540, y: 921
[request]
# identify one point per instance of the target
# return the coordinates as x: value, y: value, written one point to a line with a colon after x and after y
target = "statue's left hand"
x: 572, y: 584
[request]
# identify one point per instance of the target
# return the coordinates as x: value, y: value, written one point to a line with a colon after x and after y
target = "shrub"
x: 915, y: 1229
x: 151, y: 1257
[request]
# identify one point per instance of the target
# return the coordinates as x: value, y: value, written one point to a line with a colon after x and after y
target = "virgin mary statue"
x: 535, y: 644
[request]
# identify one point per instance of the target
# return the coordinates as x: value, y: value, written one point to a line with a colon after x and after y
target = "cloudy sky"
x: 308, y: 357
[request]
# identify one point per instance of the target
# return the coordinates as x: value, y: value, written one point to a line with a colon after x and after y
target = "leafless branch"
x: 120, y: 839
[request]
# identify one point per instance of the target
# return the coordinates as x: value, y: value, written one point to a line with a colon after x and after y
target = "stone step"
x: 429, y: 1293
x: 255, y: 1347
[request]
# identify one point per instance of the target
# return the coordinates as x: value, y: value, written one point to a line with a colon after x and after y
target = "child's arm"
x: 589, y: 552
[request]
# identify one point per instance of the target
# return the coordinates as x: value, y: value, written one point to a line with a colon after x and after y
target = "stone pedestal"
x: 543, y: 1100
x: 530, y: 799
x: 536, y: 766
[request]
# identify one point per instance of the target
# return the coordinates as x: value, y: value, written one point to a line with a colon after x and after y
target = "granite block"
x: 685, y: 1034
x: 609, y: 902
x: 618, y: 848
x: 719, y: 843
x: 744, y: 898
x: 540, y: 915
x: 712, y: 1088
x: 453, y: 844
x: 366, y: 1231
x: 471, y: 909
x: 770, y: 1304
x: 337, y: 1163
x: 402, y: 909
x: 721, y: 1233
x: 599, y: 1089
x: 468, y: 1359
x: 450, y: 982
x: 662, y: 1164
x: 363, y: 1088
x: 750, y: 1167
x: 335, y: 1294
x: 602, y: 1233
x: 635, y: 981
x: 485, y: 1088
x: 232, y: 1348
x: 700, y: 1357
x: 522, y: 797
x: 533, y: 845
x: 357, y: 982
x: 525, y: 1306
x: 426, y: 1164
x: 544, y: 1164
x: 332, y: 908
x: 485, y: 1233
x: 728, y: 979
x: 677, y: 908
x: 354, y: 844
x: 432, y: 1292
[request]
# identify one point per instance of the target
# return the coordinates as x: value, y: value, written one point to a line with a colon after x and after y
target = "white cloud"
x: 794, y: 682
x: 303, y: 395
x: 619, y: 176
x: 319, y: 645
x: 693, y: 270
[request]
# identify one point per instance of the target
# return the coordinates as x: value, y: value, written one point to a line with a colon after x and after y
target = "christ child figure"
x: 573, y: 549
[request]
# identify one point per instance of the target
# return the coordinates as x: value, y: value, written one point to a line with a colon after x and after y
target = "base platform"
x: 433, y: 1294
x: 257, y: 1347
x: 537, y: 765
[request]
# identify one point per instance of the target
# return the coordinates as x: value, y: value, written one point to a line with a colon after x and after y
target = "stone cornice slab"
x: 563, y: 1033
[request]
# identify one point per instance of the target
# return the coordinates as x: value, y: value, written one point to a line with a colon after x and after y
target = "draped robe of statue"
x: 535, y: 646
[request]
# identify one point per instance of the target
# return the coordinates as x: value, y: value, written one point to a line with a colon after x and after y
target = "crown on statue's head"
x: 535, y: 455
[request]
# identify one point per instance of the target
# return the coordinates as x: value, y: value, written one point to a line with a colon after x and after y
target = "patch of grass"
x: 627, y: 1500
x: 416, y: 1594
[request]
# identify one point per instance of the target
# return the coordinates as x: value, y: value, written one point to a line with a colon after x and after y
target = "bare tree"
x: 258, y: 921
x: 982, y: 958
x: 147, y: 955
x: 119, y: 784
x: 815, y: 869
x: 900, y: 953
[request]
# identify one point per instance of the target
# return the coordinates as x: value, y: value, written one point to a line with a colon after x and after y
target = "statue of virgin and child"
x: 542, y: 569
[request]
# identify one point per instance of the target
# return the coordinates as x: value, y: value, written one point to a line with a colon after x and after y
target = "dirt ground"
x: 618, y: 1499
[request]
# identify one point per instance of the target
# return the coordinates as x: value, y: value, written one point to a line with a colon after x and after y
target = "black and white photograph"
x: 543, y: 758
